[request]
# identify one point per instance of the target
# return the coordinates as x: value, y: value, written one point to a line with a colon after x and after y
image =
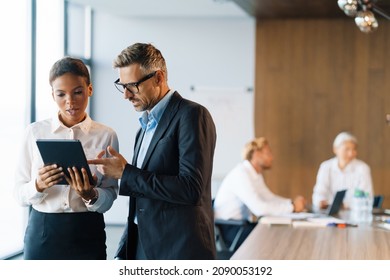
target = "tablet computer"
x: 65, y: 153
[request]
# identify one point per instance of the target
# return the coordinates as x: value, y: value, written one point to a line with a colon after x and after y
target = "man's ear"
x: 160, y: 77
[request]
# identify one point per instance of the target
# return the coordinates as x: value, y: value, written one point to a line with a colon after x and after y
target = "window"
x: 78, y: 34
x: 50, y: 48
x: 14, y: 114
x: 19, y: 77
x: 78, y: 31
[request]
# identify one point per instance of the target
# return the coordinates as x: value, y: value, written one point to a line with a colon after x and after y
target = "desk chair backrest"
x: 221, y: 244
x: 223, y: 250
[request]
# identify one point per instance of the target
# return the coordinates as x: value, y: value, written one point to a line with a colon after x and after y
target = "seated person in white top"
x: 243, y: 194
x: 344, y: 171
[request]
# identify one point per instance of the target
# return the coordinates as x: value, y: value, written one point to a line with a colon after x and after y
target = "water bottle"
x: 356, y: 206
x: 361, y: 207
x: 367, y: 208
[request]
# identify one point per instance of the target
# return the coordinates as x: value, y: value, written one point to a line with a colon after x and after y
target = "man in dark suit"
x: 169, y: 180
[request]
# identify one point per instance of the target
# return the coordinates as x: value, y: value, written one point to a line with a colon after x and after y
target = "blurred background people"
x: 244, y: 195
x: 344, y: 171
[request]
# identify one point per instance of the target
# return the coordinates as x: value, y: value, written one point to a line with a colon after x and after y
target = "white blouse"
x: 243, y: 195
x: 331, y: 178
x: 94, y: 138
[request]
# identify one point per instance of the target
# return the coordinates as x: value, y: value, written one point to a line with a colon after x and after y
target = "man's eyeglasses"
x: 132, y: 87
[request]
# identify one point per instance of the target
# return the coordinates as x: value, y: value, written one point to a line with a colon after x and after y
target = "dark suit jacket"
x: 171, y: 193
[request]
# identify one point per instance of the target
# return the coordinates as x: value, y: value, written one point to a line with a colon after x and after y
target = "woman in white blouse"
x: 66, y: 221
x: 344, y: 171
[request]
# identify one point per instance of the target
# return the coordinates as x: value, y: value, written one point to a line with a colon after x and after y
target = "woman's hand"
x: 80, y: 183
x: 48, y: 176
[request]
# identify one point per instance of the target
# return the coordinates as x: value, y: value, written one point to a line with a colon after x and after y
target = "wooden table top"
x: 284, y: 242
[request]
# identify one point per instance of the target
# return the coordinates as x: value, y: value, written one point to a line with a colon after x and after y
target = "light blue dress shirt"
x: 149, y: 122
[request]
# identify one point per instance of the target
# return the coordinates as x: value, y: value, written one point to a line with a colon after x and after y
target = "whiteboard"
x: 232, y: 110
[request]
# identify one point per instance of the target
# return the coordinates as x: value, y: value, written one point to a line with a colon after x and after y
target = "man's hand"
x: 299, y: 204
x: 112, y: 166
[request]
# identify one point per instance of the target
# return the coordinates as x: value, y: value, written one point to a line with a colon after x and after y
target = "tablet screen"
x: 65, y: 153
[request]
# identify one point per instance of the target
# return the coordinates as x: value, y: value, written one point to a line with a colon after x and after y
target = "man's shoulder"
x: 185, y: 103
x: 190, y: 112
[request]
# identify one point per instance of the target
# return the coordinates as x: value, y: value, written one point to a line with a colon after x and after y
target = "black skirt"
x: 65, y: 236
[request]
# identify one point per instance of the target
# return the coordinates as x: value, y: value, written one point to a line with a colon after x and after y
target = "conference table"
x: 285, y: 242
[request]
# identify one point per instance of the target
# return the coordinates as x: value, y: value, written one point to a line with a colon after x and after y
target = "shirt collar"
x: 350, y: 166
x: 57, y: 124
x: 156, y: 112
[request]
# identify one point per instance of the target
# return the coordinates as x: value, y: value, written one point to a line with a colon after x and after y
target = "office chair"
x: 224, y: 252
x: 378, y: 201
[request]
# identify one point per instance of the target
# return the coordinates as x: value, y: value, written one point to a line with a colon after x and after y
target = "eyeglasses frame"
x: 121, y: 87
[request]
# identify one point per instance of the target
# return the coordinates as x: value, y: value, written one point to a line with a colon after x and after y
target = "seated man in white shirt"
x: 344, y: 171
x: 243, y: 194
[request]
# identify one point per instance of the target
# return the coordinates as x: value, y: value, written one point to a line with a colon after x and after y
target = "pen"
x: 340, y: 225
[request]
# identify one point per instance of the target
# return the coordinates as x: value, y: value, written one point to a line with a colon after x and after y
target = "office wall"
x: 207, y: 53
x: 315, y: 78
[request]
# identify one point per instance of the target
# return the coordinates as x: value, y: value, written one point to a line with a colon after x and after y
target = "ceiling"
x: 224, y: 8
x: 167, y: 8
x: 298, y: 8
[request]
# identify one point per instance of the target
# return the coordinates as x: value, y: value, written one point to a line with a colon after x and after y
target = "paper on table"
x: 300, y: 216
x: 326, y: 220
x: 384, y: 225
x: 317, y: 222
x: 300, y: 223
x: 275, y: 220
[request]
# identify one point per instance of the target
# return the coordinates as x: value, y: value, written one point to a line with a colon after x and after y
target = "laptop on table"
x: 335, y: 207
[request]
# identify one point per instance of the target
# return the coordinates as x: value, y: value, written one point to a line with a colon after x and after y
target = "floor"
x: 114, y: 233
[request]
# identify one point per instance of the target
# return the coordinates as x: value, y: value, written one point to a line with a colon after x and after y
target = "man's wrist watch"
x: 93, y: 199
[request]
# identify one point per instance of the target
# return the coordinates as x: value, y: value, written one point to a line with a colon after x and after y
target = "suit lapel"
x: 165, y: 120
x: 138, y: 141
